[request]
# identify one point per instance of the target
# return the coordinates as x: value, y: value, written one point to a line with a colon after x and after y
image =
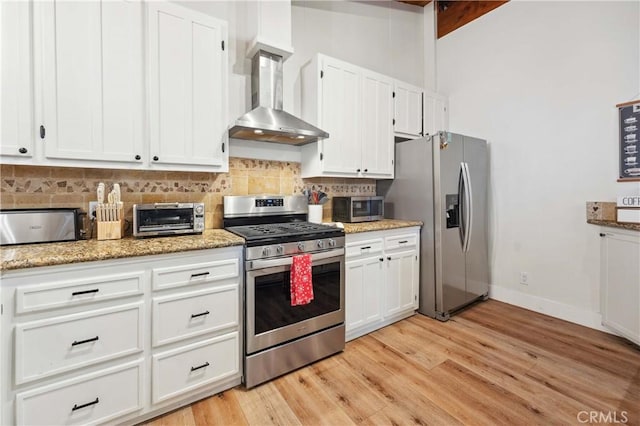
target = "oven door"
x: 270, y: 318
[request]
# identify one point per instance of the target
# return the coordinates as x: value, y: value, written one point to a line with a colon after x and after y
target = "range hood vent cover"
x: 267, y: 122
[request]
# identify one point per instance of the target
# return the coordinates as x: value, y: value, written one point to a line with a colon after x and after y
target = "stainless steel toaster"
x: 24, y: 226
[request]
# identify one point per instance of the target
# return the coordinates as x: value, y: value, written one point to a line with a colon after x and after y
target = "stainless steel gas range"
x: 280, y: 337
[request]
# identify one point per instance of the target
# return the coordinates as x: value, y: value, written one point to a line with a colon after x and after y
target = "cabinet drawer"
x: 363, y: 248
x: 191, y: 314
x: 90, y: 399
x: 184, y: 369
x: 78, y: 292
x: 60, y: 344
x: 400, y: 241
x: 177, y: 276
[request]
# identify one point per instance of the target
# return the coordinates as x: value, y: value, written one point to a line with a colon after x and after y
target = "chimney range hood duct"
x: 267, y: 122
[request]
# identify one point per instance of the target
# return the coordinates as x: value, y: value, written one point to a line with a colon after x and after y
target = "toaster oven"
x: 151, y: 220
x: 358, y: 209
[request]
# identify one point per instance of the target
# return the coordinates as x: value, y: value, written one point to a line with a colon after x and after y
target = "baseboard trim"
x: 548, y: 307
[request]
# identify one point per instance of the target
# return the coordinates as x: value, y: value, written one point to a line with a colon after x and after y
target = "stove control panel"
x: 270, y: 202
x: 293, y: 248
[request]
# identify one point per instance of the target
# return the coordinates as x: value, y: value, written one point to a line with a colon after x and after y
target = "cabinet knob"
x: 23, y: 150
x: 381, y: 259
x: 388, y: 257
x: 366, y: 170
x: 137, y: 157
x: 155, y: 158
x: 358, y: 170
x: 603, y: 235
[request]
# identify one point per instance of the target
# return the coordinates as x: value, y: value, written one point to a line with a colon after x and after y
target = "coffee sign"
x: 629, y: 201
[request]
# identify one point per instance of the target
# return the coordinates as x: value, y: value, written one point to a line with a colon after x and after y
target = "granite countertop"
x: 614, y: 224
x: 379, y: 225
x: 49, y: 254
x: 34, y: 255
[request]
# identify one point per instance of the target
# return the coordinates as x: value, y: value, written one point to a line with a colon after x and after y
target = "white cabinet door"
x: 435, y: 113
x: 407, y: 110
x: 340, y: 117
x: 187, y: 87
x: 91, y: 65
x: 620, y: 293
x: 377, y: 126
x: 364, y: 280
x: 402, y: 282
x: 16, y: 86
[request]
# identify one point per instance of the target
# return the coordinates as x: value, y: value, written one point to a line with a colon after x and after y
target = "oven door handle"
x: 270, y: 263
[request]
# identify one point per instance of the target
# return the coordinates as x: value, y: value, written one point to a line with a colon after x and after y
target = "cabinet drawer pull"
x: 206, y: 364
x: 403, y: 242
x: 603, y: 235
x: 381, y: 259
x: 88, y: 404
x: 201, y: 274
x: 388, y: 257
x: 81, y: 342
x: 365, y: 248
x: 78, y: 293
x: 200, y: 314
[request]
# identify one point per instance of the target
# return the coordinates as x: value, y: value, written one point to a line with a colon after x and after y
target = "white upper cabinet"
x: 436, y: 116
x: 90, y: 62
x: 187, y: 88
x: 340, y: 116
x: 16, y: 87
x: 355, y: 106
x: 377, y: 125
x: 407, y: 108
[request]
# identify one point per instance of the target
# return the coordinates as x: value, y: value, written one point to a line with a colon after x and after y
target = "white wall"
x: 540, y: 81
x: 386, y: 37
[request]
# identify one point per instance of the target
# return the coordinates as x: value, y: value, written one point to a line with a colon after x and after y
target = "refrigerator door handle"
x: 461, y: 206
x: 468, y: 226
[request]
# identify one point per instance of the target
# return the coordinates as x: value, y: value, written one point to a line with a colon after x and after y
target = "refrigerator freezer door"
x: 410, y: 196
x: 477, y: 258
x: 450, y: 287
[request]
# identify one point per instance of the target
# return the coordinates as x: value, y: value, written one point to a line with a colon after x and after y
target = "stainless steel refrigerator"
x: 442, y: 180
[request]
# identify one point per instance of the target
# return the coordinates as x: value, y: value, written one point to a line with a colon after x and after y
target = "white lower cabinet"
x: 364, y: 288
x: 47, y: 347
x: 620, y: 282
x: 381, y: 279
x: 90, y: 399
x: 101, y: 342
x: 181, y: 370
x: 194, y: 313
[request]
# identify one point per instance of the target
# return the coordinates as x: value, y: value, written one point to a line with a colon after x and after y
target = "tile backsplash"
x: 38, y: 186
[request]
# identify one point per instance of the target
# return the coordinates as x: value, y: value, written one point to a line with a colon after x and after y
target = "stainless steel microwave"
x: 358, y: 209
x: 150, y: 220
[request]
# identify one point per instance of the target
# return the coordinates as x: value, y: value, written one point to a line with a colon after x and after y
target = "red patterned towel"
x: 301, y: 285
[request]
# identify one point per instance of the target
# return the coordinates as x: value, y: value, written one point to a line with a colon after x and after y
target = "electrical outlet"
x: 524, y: 278
x: 92, y: 209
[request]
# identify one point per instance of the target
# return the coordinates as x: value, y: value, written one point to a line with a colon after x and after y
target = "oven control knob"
x: 199, y: 209
x: 320, y: 244
x: 279, y: 249
x: 332, y: 242
x: 266, y: 251
x: 301, y: 246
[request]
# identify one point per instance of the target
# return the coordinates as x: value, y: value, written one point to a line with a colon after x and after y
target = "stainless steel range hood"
x: 267, y: 122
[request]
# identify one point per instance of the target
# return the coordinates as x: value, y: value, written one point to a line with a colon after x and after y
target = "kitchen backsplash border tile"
x: 25, y: 186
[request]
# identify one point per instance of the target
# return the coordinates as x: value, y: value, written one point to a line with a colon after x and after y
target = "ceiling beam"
x: 454, y: 14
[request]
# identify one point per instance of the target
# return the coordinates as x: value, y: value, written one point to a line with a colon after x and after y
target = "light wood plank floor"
x: 492, y: 364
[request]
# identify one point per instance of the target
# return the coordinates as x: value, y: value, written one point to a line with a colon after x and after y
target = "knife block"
x: 112, y: 229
